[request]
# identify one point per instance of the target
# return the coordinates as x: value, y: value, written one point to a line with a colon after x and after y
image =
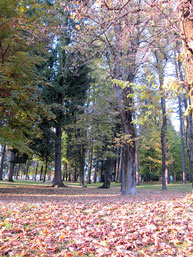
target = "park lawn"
x: 177, y: 186
x: 73, y: 221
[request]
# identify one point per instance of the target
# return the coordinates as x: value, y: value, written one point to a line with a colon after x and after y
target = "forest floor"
x: 37, y: 220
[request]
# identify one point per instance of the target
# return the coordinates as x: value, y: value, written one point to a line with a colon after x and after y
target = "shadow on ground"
x: 33, y: 193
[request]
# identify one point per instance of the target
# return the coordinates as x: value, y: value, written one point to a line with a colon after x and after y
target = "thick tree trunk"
x: 107, y: 174
x: 187, y: 34
x: 74, y: 175
x: 11, y: 167
x: 125, y: 105
x: 26, y: 170
x: 128, y: 185
x: 58, y: 145
x: 189, y: 140
x: 41, y: 172
x: 128, y: 178
x: 2, y: 161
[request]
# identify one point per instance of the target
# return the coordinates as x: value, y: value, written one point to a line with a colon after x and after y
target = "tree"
x: 3, y: 151
x: 112, y: 30
x: 21, y: 41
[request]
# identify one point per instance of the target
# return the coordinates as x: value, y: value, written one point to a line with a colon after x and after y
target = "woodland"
x: 96, y: 132
x: 89, y: 91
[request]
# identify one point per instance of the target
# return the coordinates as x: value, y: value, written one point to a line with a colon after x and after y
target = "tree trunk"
x: 125, y: 106
x: 182, y: 140
x: 90, y: 164
x: 41, y: 172
x: 58, y: 144
x: 11, y: 167
x: 137, y: 165
x: 17, y: 171
x: 128, y: 185
x: 45, y: 171
x: 163, y: 141
x: 65, y: 170
x: 82, y: 163
x: 189, y: 139
x: 26, y: 170
x: 179, y: 74
x: 187, y: 34
x: 74, y: 175
x: 2, y: 161
x: 120, y: 165
x: 107, y: 174
x: 35, y: 176
x: 117, y: 165
x: 95, y: 171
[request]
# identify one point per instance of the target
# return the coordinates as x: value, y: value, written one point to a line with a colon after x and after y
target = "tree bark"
x: 137, y: 165
x: 26, y: 170
x: 74, y: 175
x: 189, y: 139
x: 125, y: 105
x: 41, y: 172
x: 160, y: 70
x: 179, y: 74
x: 182, y: 140
x: 17, y: 171
x: 164, y: 142
x: 36, y: 171
x: 120, y: 165
x: 107, y: 174
x: 45, y: 171
x: 11, y: 167
x: 117, y: 165
x: 58, y: 145
x: 82, y: 163
x: 90, y: 163
x: 2, y: 161
x: 95, y: 171
x: 187, y: 34
x: 128, y: 185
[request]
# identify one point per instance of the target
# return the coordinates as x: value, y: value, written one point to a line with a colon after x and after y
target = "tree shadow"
x: 39, y: 194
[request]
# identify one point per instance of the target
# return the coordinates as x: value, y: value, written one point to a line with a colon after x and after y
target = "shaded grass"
x: 178, y: 186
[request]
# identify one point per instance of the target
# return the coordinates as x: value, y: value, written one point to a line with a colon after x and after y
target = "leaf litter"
x: 92, y: 222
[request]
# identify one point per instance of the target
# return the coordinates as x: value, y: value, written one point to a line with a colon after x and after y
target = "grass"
x: 177, y: 186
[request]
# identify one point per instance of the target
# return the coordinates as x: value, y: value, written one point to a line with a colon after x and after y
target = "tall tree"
x: 21, y: 41
x: 3, y: 151
x: 113, y: 30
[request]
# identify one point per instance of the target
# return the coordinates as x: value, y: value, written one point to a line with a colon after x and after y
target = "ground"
x: 38, y: 220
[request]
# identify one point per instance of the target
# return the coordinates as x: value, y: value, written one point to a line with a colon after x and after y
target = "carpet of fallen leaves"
x: 43, y: 221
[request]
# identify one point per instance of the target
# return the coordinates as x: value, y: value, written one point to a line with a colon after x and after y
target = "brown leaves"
x: 86, y: 222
